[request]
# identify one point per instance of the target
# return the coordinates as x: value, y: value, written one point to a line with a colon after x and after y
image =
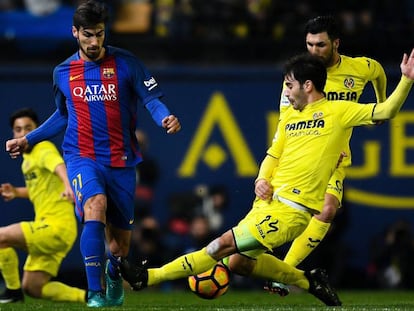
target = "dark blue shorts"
x: 89, y: 178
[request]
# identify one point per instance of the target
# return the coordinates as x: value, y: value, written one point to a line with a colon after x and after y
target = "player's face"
x: 90, y: 41
x: 320, y: 45
x: 23, y: 126
x: 295, y: 93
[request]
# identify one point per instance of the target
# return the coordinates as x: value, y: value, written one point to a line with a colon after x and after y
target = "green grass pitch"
x: 233, y: 300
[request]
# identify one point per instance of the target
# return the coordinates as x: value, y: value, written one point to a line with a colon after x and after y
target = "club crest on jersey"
x: 318, y: 115
x: 349, y: 83
x: 108, y: 72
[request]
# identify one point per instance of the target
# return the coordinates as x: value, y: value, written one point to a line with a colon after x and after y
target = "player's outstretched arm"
x: 16, y: 146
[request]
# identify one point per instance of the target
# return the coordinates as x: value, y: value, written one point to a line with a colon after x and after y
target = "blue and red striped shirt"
x: 99, y: 100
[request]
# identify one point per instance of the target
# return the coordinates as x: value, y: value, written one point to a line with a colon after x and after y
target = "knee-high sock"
x: 92, y: 244
x: 57, y: 291
x: 304, y: 244
x: 9, y: 267
x: 269, y: 267
x: 181, y: 267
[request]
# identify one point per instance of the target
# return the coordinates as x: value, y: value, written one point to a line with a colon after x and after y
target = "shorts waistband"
x: 294, y: 204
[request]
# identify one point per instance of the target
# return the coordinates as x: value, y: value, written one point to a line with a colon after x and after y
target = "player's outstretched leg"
x: 114, y: 287
x: 136, y: 276
x: 277, y: 288
x: 319, y: 287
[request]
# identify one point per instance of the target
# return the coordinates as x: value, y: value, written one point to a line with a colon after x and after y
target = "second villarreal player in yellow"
x: 50, y: 236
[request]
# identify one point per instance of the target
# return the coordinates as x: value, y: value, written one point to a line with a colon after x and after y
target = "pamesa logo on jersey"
x: 96, y: 92
x: 309, y: 124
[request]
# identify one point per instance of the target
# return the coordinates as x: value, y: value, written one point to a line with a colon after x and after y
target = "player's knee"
x: 222, y: 246
x: 95, y: 207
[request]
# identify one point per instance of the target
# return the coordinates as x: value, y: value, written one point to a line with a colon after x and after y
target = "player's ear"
x: 75, y: 32
x: 308, y: 85
x: 336, y: 44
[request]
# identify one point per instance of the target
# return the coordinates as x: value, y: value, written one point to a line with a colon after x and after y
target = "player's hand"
x: 171, y: 124
x: 68, y: 194
x: 407, y: 65
x: 263, y: 189
x: 16, y: 146
x: 7, y: 191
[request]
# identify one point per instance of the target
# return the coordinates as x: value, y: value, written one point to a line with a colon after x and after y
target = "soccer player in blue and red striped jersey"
x: 96, y: 92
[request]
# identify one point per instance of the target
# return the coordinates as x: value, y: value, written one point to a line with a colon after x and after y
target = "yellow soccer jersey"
x: 44, y: 186
x: 346, y: 81
x: 308, y: 144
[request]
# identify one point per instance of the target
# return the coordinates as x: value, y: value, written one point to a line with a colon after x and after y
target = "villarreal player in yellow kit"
x: 291, y: 184
x: 50, y: 236
x: 347, y: 77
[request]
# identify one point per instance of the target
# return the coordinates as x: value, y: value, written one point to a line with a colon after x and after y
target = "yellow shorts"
x: 48, y: 243
x: 336, y: 184
x: 269, y: 225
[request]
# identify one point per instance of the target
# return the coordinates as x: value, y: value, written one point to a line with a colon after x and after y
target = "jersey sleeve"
x: 276, y: 149
x: 378, y: 79
x: 352, y: 114
x: 60, y: 99
x: 143, y: 82
x: 48, y: 129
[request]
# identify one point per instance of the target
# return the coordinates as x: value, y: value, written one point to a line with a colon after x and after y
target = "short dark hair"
x: 22, y: 113
x: 307, y: 67
x: 90, y: 13
x: 323, y: 23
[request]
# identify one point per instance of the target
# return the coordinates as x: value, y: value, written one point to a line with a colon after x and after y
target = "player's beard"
x: 329, y: 59
x: 92, y: 54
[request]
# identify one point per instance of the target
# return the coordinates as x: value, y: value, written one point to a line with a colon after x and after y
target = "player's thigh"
x: 269, y: 225
x: 12, y: 236
x: 87, y: 179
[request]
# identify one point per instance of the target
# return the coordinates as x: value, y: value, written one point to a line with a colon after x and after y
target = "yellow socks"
x: 304, y: 244
x: 183, y: 266
x: 269, y: 267
x: 9, y: 267
x: 57, y: 291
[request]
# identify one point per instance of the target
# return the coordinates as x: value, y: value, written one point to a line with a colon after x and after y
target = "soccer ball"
x: 212, y: 283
